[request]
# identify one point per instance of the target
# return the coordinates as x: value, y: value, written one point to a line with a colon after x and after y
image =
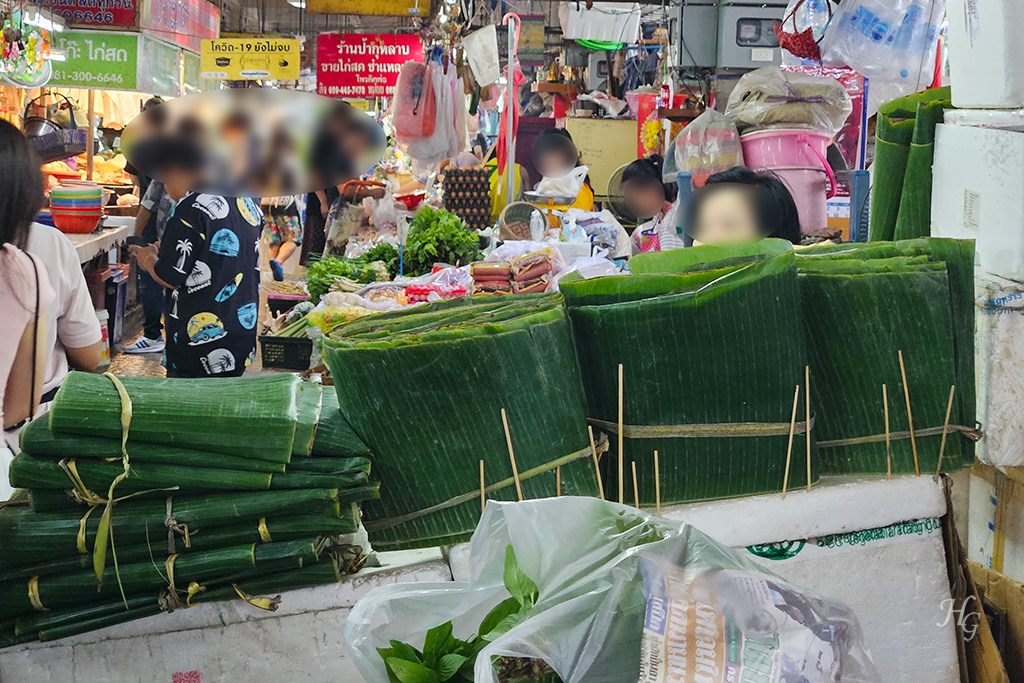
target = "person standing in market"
x: 154, y: 210
x: 208, y: 260
x: 283, y: 230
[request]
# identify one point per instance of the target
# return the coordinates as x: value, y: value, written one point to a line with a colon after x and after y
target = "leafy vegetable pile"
x: 446, y: 658
x: 325, y: 272
x: 438, y: 236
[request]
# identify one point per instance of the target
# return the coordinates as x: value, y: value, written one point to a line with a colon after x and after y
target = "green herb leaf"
x: 495, y: 616
x: 412, y: 672
x: 407, y: 652
x: 517, y: 582
x: 438, y: 643
x: 505, y: 625
x: 450, y: 665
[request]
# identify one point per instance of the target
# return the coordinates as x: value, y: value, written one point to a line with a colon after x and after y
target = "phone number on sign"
x: 357, y: 90
x: 88, y: 77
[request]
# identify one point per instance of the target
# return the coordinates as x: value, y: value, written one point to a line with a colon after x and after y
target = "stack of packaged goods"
x: 491, y: 278
x: 531, y: 272
x: 146, y: 495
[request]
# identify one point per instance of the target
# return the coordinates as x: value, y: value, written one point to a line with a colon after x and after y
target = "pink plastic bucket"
x: 798, y: 158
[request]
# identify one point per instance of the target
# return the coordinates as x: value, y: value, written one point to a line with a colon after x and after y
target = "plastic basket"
x: 52, y: 141
x: 286, y: 353
x: 279, y: 303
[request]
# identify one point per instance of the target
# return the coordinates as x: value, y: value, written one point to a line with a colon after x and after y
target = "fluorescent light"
x: 301, y: 4
x: 57, y: 56
x: 33, y: 18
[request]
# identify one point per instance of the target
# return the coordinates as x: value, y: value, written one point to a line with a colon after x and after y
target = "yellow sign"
x: 361, y: 105
x: 239, y: 59
x: 388, y: 8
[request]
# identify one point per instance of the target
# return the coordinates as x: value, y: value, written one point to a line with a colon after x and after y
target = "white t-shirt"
x: 73, y: 321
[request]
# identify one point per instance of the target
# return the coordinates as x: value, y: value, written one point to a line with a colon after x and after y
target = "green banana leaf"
x: 334, y: 437
x: 915, y: 214
x: 310, y: 402
x: 38, y: 439
x: 723, y: 346
x: 253, y: 417
x: 893, y: 138
x: 424, y: 389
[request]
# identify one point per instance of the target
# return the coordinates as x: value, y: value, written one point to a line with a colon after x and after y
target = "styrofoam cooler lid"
x: 1005, y: 119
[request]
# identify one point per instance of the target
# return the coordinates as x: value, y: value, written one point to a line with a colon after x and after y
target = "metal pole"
x: 90, y: 135
x: 510, y: 93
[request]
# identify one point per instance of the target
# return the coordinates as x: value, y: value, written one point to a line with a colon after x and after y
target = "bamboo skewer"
x: 597, y: 464
x: 657, y: 484
x: 622, y: 495
x: 483, y: 489
x: 807, y: 430
x: 888, y: 444
x: 945, y: 427
x: 910, y: 415
x: 789, y: 449
x: 512, y: 455
x: 636, y: 487
x: 558, y: 482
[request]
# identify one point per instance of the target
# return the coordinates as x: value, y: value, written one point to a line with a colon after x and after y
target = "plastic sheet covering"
x: 708, y: 145
x: 585, y: 556
x: 1000, y: 340
x: 771, y: 98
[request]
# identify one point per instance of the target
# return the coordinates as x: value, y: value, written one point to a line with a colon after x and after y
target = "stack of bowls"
x: 76, y: 208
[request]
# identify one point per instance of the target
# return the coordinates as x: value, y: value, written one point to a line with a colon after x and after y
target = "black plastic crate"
x: 286, y: 353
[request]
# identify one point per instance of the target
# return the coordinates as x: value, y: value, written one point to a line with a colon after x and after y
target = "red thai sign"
x: 96, y: 12
x: 185, y: 22
x: 363, y: 64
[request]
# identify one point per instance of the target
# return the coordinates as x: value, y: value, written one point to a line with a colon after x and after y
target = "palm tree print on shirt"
x: 184, y: 248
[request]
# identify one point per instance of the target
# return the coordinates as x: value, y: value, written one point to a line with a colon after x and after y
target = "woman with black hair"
x: 648, y: 197
x: 742, y: 206
x: 555, y: 156
x: 25, y: 292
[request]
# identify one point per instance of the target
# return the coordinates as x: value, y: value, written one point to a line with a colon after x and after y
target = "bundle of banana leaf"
x: 711, y: 346
x: 424, y: 390
x: 863, y: 305
x: 202, y: 484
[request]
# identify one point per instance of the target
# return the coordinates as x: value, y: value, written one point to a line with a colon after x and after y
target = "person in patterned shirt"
x: 208, y: 260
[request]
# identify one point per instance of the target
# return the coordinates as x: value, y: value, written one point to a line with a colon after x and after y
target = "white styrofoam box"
x: 978, y: 193
x: 606, y: 21
x: 224, y: 642
x: 1003, y: 119
x: 986, y: 53
x: 999, y: 363
x: 873, y: 544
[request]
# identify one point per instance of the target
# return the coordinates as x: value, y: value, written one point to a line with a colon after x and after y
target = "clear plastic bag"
x: 715, y: 616
x: 426, y: 145
x: 888, y: 40
x: 587, y: 620
x: 771, y: 98
x: 708, y: 145
x: 568, y: 185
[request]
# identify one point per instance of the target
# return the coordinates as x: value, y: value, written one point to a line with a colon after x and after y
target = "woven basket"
x: 514, y: 222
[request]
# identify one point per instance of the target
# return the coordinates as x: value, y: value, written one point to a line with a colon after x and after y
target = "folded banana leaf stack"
x: 218, y: 488
x: 711, y: 345
x: 863, y: 304
x: 424, y: 390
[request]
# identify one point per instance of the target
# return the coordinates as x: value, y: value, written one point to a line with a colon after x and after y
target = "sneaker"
x: 277, y: 270
x: 145, y: 345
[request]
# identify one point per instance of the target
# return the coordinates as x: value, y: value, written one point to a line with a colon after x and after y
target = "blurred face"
x: 726, y: 216
x: 554, y: 164
x: 645, y: 196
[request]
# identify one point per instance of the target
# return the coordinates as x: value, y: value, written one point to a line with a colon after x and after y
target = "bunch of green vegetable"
x: 446, y: 658
x: 324, y: 273
x: 435, y: 235
x: 386, y: 254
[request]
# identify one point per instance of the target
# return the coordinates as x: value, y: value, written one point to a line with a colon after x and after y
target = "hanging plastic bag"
x: 769, y: 97
x: 708, y: 145
x: 803, y: 27
x: 427, y: 151
x: 415, y: 106
x: 568, y: 185
x: 889, y: 40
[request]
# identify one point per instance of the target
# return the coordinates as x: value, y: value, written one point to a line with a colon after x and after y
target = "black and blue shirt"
x: 210, y: 253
